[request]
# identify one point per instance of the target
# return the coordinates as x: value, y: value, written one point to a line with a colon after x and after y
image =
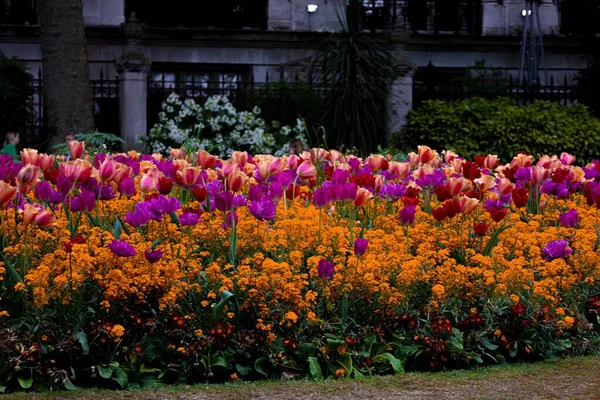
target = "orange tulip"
x: 455, y: 186
x: 491, y: 161
x: 147, y: 183
x: 45, y: 162
x: 7, y: 194
x: 240, y: 158
x: 426, y: 154
x: 505, y: 186
x: 377, y: 162
x: 398, y: 168
x: 307, y: 170
x: 76, y: 149
x: 44, y: 219
x: 228, y: 168
x: 190, y: 176
x: 29, y: 213
x: 467, y: 204
x: 484, y: 183
x: 319, y: 154
x: 236, y: 181
x: 521, y: 160
x: 28, y: 175
x: 78, y: 171
x: 29, y: 156
x: 362, y: 197
x: 538, y: 174
x: 107, y: 170
x: 122, y: 171
x: 206, y: 160
x: 449, y: 155
x: 177, y: 154
x: 337, y: 156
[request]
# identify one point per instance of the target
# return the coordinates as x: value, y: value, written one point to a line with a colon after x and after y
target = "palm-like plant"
x: 358, y: 72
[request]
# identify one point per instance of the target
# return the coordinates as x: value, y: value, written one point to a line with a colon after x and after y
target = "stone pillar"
x: 549, y: 17
x: 494, y: 21
x: 104, y: 12
x: 400, y: 96
x: 133, y: 67
x: 280, y: 15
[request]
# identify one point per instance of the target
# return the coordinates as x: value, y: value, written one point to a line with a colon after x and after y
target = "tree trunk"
x: 67, y: 93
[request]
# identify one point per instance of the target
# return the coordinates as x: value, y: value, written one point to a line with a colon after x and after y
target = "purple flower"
x: 239, y: 200
x: 188, y: 218
x: 88, y: 200
x: 121, y: 248
x: 43, y: 192
x: 63, y: 184
x: 140, y: 216
x: 257, y: 192
x: 360, y: 246
x: 162, y: 205
x: 559, y: 190
x: 224, y: 201
x: 263, y: 210
x: 107, y: 193
x: 321, y: 198
x: 407, y: 215
x: 214, y: 187
x: 392, y: 191
x: 325, y: 268
x: 230, y: 219
x: 153, y: 256
x: 568, y: 219
x: 127, y: 187
x: 556, y: 249
x: 354, y: 163
x: 339, y: 176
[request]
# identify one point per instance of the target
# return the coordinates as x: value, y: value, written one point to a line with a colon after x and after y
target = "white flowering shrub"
x: 218, y: 128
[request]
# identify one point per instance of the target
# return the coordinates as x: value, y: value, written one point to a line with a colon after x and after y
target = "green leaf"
x: 25, y: 383
x: 69, y: 385
x: 83, y: 340
x: 493, y: 242
x: 346, y: 362
x: 306, y: 350
x: 217, y: 309
x: 219, y: 362
x: 263, y: 366
x: 485, y: 342
x: 315, y: 369
x: 394, y: 362
x: 117, y: 229
x: 174, y: 219
x: 243, y: 369
x: 120, y: 377
x: 104, y: 371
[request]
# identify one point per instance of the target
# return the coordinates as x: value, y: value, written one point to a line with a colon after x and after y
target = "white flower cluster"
x: 219, y: 128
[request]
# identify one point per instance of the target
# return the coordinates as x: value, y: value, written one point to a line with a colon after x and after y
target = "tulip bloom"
x: 362, y: 197
x: 107, y: 170
x: 206, y: 160
x: 307, y: 171
x: 188, y: 218
x: 29, y: 156
x: 28, y: 175
x: 45, y: 162
x: 407, y: 215
x: 76, y: 149
x: 147, y: 183
x: 7, y: 194
x: 480, y: 228
x: 325, y: 268
x: 321, y: 197
x: 468, y: 205
x: 556, y: 249
x: 360, y: 246
x: 567, y: 159
x: 153, y: 256
x: 121, y: 249
x: 484, y: 183
x: 439, y: 214
x: 127, y: 187
x: 44, y: 219
x: 165, y: 185
x: 520, y: 197
x: 263, y: 210
x: 568, y: 219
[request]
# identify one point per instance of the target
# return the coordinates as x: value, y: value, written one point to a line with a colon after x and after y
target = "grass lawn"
x: 576, y: 378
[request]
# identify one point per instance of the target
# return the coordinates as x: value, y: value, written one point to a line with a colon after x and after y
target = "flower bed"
x: 134, y: 269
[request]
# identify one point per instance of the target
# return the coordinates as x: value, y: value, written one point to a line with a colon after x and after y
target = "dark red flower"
x: 165, y: 185
x: 452, y: 207
x: 292, y: 192
x: 480, y: 228
x: 497, y: 214
x: 68, y: 246
x: 200, y: 193
x: 471, y: 171
x: 78, y: 239
x: 410, y: 201
x: 443, y: 193
x: 560, y: 175
x: 439, y: 214
x: 479, y: 160
x: 520, y: 197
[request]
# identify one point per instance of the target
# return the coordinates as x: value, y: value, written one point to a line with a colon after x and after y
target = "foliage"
x: 95, y: 143
x: 288, y: 101
x: 477, y: 126
x: 358, y: 72
x: 218, y: 127
x: 15, y: 83
x: 140, y: 270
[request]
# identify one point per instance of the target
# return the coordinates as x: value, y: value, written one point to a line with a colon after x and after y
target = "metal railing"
x: 424, y: 16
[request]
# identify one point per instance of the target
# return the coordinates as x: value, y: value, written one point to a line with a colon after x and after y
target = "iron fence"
x: 274, y: 97
x: 424, y: 16
x: 106, y: 109
x: 561, y: 93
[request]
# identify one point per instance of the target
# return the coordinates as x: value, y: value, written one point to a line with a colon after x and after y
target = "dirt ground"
x: 577, y: 378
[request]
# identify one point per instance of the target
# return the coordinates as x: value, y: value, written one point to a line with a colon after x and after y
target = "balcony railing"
x: 423, y: 16
x: 19, y: 12
x: 220, y: 14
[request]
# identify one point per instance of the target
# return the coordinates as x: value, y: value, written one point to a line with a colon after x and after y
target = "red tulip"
x: 480, y: 228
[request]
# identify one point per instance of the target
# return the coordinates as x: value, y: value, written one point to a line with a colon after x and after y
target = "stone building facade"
x: 256, y: 40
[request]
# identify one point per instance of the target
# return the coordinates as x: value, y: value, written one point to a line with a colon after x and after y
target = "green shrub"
x: 478, y: 126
